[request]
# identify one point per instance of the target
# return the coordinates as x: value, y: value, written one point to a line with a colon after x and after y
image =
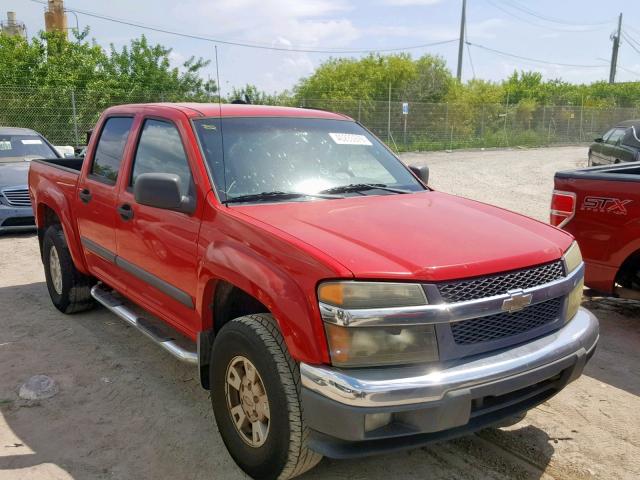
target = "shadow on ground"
x: 618, y: 356
x: 128, y: 410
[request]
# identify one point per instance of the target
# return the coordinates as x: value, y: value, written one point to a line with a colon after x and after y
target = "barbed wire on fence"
x: 64, y: 115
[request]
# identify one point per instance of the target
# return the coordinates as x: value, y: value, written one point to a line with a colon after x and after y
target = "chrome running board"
x: 155, y: 330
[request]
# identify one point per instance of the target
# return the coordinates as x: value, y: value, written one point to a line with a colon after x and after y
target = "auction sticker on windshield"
x: 5, y: 145
x: 32, y: 142
x: 349, y: 139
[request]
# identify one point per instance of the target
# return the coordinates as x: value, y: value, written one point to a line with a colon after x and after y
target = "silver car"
x: 18, y: 146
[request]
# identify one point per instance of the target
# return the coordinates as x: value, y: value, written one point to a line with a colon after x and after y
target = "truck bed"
x: 629, y: 172
x: 52, y: 185
x: 605, y: 219
x: 72, y: 164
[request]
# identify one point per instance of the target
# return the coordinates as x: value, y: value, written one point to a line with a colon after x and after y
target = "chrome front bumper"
x: 376, y: 387
x: 423, y: 404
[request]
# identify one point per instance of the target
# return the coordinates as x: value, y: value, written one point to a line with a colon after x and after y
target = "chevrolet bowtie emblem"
x: 517, y: 301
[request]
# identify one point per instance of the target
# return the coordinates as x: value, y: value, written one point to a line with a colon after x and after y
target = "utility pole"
x: 461, y: 45
x: 614, y: 52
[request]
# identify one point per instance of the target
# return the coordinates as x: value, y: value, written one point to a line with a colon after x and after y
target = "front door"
x: 97, y: 192
x: 156, y: 247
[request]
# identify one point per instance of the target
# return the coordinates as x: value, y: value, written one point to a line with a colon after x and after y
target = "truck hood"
x: 428, y: 236
x: 14, y: 174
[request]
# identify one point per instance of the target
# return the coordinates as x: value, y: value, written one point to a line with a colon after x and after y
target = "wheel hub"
x: 55, y: 270
x: 247, y: 401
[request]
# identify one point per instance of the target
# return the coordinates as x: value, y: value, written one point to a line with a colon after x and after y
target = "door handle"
x: 85, y: 195
x: 125, y: 211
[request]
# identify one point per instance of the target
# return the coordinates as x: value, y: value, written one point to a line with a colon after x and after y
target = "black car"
x: 620, y: 144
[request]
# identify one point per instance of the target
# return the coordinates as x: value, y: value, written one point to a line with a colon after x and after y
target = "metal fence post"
x: 389, y: 115
x: 75, y: 117
x: 446, y: 121
x: 405, y: 128
x: 506, y: 115
x: 359, y: 109
x: 581, y: 116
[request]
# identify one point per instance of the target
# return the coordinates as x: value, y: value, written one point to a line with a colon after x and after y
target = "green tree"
x: 260, y: 97
x: 368, y: 78
x: 40, y: 77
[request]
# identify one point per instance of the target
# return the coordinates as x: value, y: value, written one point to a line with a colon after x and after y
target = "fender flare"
x: 55, y: 200
x: 274, y: 287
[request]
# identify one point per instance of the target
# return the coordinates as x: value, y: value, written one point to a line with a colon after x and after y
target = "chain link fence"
x: 64, y: 116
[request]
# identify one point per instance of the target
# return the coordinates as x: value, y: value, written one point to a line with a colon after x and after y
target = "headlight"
x: 371, y: 294
x: 573, y: 259
x: 375, y: 345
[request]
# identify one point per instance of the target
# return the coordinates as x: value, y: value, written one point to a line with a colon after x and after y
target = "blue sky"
x: 349, y: 24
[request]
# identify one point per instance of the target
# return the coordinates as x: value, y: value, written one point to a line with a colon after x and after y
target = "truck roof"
x: 231, y: 110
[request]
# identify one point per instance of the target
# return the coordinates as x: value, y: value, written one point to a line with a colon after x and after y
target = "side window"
x: 605, y: 137
x: 615, y: 137
x: 160, y: 151
x: 111, y: 147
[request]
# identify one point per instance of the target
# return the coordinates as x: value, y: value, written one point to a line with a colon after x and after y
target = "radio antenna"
x: 224, y: 167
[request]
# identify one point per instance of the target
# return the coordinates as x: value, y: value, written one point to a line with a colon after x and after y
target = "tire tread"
x: 300, y: 458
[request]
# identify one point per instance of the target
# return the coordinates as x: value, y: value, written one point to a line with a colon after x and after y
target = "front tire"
x: 70, y: 290
x: 255, y: 392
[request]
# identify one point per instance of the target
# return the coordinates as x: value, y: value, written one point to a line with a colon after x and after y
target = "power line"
x: 546, y: 27
x: 620, y: 67
x: 248, y: 45
x: 513, y: 55
x: 541, y: 16
x: 473, y: 70
x: 632, y: 42
x: 629, y: 27
x: 637, y: 74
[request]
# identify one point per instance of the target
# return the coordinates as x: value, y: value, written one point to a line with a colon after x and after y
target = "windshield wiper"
x: 359, y: 187
x: 275, y: 195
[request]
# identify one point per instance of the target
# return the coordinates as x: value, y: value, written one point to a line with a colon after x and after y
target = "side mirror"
x: 420, y: 171
x: 598, y: 140
x: 162, y: 190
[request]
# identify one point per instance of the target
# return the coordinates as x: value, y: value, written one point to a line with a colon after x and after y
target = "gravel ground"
x: 126, y: 410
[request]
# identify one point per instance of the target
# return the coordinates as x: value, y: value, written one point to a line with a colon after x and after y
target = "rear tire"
x: 281, y: 450
x: 70, y: 290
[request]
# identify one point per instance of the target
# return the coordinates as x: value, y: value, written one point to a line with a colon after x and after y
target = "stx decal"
x: 605, y: 205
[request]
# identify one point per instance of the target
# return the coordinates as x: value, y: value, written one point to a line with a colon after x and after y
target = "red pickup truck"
x: 333, y: 303
x: 600, y: 206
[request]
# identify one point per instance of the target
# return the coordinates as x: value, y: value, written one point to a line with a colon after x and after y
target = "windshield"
x: 19, y: 148
x: 299, y: 155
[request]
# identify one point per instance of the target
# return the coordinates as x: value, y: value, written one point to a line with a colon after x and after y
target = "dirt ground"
x: 127, y: 410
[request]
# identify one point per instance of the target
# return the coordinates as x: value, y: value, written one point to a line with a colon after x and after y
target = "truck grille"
x: 501, y: 325
x: 464, y: 290
x: 17, y: 198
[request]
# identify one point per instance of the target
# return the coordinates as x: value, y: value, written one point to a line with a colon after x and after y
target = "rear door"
x: 598, y: 148
x: 630, y: 146
x: 157, y: 248
x: 612, y: 145
x: 98, y: 191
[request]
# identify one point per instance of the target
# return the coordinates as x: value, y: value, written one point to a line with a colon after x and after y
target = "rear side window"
x: 615, y: 137
x: 111, y: 147
x: 160, y: 150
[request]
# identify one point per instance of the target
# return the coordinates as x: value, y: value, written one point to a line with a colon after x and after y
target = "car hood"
x: 14, y: 174
x: 428, y: 236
